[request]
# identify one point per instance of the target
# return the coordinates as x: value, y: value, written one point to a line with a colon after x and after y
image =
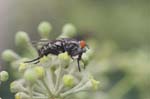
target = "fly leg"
x: 78, y: 62
x: 79, y: 53
x: 36, y: 59
x: 84, y: 63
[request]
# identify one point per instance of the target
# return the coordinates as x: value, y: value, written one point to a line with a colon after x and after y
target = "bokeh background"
x: 118, y: 30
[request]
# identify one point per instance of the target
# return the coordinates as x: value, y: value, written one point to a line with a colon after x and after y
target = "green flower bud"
x: 22, y: 67
x: 30, y: 75
x: 44, y: 29
x: 15, y: 86
x: 94, y: 84
x: 40, y: 72
x: 9, y: 55
x: 86, y: 57
x: 89, y: 52
x: 90, y: 84
x: 21, y: 95
x: 4, y: 76
x: 44, y: 59
x: 68, y: 31
x: 68, y: 80
x: 22, y: 39
x: 64, y: 59
x: 64, y: 56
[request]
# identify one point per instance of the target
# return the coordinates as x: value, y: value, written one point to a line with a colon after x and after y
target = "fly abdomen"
x: 54, y: 48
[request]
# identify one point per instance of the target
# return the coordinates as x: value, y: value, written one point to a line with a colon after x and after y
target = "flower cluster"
x: 54, y: 77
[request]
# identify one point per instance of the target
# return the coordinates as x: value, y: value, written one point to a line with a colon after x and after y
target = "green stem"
x: 49, y: 78
x: 47, y: 88
x: 30, y: 90
x: 58, y: 78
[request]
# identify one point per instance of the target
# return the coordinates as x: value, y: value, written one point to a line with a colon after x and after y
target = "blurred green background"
x: 119, y: 30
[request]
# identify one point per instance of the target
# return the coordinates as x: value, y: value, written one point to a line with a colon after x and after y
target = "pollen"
x: 82, y: 44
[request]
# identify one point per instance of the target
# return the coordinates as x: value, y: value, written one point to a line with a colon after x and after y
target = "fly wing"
x: 41, y: 42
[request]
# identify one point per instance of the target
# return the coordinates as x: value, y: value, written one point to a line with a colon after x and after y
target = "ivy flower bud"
x: 21, y: 95
x: 44, y: 29
x: 87, y: 56
x: 30, y: 75
x: 44, y: 59
x: 40, y: 72
x: 22, y: 67
x: 68, y: 80
x: 9, y: 55
x: 92, y: 83
x: 89, y: 52
x: 68, y: 30
x: 95, y: 84
x: 22, y: 39
x: 4, y: 76
x: 64, y: 56
x: 15, y: 86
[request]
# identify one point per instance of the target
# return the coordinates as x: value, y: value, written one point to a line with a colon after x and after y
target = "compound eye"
x: 82, y: 44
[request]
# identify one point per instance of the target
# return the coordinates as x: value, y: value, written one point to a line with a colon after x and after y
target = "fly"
x: 73, y: 47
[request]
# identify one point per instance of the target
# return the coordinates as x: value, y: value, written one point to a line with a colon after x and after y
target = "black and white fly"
x: 73, y: 47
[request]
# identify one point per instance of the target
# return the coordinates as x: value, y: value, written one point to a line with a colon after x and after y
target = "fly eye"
x: 82, y: 44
